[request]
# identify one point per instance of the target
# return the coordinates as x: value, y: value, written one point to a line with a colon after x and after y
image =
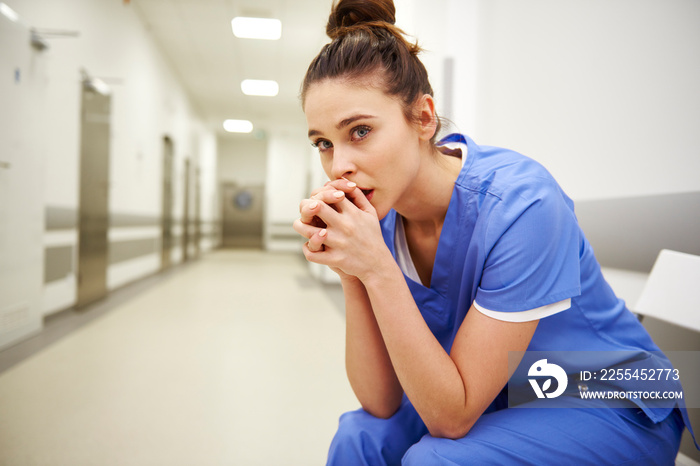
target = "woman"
x: 451, y: 256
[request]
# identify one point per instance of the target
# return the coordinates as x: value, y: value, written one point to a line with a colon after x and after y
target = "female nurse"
x: 451, y: 256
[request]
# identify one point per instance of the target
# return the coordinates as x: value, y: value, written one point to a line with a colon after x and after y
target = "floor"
x: 234, y: 359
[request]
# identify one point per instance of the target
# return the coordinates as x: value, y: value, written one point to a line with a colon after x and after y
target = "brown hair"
x: 366, y: 43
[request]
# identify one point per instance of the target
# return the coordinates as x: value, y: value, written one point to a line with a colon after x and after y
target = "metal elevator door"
x: 242, y: 215
x: 197, y: 237
x: 167, y: 217
x: 186, y: 239
x: 94, y: 194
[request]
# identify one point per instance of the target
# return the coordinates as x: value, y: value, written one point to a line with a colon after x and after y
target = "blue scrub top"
x: 512, y: 243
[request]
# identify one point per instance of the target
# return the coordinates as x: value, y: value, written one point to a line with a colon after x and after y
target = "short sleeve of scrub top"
x: 533, y: 270
x: 403, y: 258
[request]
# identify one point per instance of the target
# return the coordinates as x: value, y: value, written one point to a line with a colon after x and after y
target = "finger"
x: 315, y: 243
x: 329, y: 196
x: 360, y: 200
x: 330, y: 185
x: 317, y: 256
x: 304, y: 229
x: 343, y: 184
x: 328, y: 214
x: 353, y: 193
x: 344, y: 205
x: 322, y: 188
x: 309, y: 208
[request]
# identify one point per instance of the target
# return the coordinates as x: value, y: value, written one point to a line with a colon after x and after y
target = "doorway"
x: 242, y: 215
x: 93, y: 221
x: 167, y: 204
x: 186, y: 214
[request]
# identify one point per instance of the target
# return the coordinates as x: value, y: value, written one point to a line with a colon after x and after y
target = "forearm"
x: 390, y: 348
x: 426, y: 372
x: 369, y: 368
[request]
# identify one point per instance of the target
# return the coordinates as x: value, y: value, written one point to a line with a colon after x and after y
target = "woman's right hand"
x: 310, y: 226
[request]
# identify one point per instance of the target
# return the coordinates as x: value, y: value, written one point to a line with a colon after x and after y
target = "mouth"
x: 369, y: 193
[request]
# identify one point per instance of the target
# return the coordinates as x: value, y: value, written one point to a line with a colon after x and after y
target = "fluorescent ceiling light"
x: 260, y: 87
x: 256, y: 28
x: 9, y: 13
x: 238, y: 126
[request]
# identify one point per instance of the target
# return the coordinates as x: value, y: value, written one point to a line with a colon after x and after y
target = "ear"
x: 427, y: 118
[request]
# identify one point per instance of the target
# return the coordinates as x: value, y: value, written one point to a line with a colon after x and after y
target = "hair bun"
x: 348, y: 13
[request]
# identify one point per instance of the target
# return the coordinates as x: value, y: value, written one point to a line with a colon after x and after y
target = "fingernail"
x: 351, y: 184
x: 338, y: 194
x: 323, y: 233
x: 313, y: 205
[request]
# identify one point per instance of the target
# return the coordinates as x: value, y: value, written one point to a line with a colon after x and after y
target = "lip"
x: 369, y: 193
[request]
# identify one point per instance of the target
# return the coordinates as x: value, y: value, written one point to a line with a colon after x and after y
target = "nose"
x: 343, y: 163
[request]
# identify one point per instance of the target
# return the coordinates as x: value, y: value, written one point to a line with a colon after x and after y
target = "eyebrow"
x: 343, y: 123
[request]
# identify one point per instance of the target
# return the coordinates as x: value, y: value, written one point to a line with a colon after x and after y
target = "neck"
x: 425, y: 204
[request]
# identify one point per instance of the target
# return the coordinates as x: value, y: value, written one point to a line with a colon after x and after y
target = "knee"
x: 357, y: 440
x: 423, y: 453
x: 440, y: 451
x: 364, y: 439
x: 354, y: 424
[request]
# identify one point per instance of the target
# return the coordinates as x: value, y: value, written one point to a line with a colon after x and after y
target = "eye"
x: 360, y: 132
x: 322, y: 145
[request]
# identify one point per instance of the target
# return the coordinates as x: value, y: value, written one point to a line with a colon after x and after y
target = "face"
x: 362, y: 135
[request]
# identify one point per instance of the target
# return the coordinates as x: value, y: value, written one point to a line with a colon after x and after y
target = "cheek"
x: 327, y: 164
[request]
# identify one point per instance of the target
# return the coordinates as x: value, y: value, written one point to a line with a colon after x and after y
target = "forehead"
x: 332, y: 100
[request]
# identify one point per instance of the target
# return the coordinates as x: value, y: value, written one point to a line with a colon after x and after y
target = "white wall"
x: 446, y: 31
x: 242, y: 159
x: 148, y: 102
x: 210, y: 210
x: 603, y: 93
x: 287, y: 185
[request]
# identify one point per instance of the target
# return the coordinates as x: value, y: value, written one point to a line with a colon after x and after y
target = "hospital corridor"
x: 234, y: 359
x: 156, y: 306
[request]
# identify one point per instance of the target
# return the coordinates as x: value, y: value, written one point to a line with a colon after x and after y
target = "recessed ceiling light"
x: 256, y: 28
x: 238, y: 126
x: 260, y: 87
x: 9, y: 13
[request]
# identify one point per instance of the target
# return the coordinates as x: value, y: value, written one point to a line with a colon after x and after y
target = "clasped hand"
x: 342, y: 229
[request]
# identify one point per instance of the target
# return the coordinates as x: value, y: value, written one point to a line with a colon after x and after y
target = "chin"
x: 381, y: 212
x: 382, y: 208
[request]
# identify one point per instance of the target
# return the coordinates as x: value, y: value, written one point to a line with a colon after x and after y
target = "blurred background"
x: 154, y: 304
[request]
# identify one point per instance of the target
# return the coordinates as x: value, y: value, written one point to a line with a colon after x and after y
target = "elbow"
x: 382, y: 404
x: 381, y: 410
x: 451, y: 429
x: 448, y: 433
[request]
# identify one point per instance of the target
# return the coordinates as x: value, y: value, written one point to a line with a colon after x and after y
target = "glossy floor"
x: 235, y: 359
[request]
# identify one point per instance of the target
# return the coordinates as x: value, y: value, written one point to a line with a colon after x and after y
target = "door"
x: 167, y: 216
x: 94, y: 192
x: 197, y: 211
x: 22, y: 155
x: 242, y: 215
x: 186, y: 214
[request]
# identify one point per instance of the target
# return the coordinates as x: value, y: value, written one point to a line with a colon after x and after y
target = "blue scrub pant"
x: 533, y: 435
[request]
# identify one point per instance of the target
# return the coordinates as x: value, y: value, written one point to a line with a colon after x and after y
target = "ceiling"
x: 196, y: 36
